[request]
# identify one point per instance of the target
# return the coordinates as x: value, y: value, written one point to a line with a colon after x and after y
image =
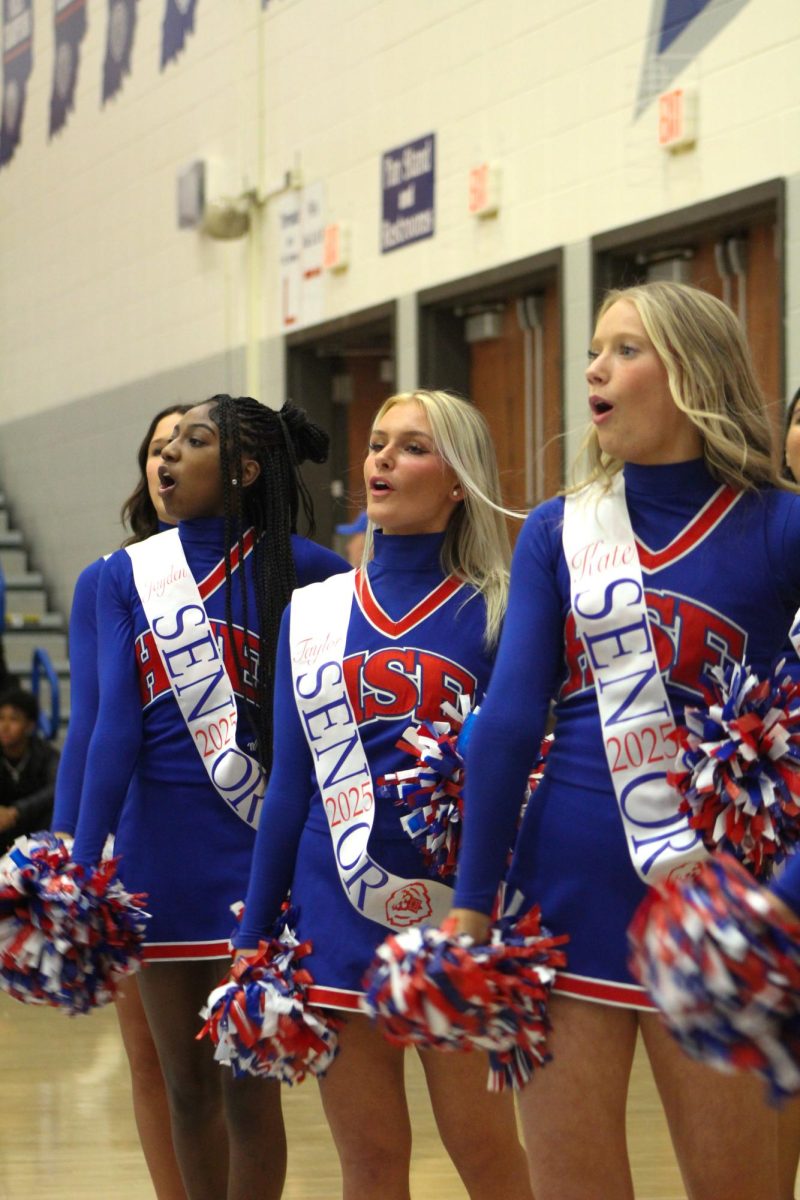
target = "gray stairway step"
x: 25, y: 593
x: 33, y: 620
x: 13, y: 557
x: 20, y: 644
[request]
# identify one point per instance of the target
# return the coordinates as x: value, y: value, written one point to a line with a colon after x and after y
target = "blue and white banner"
x: 679, y: 30
x: 119, y: 45
x: 17, y: 65
x: 676, y: 16
x: 178, y: 24
x: 408, y: 176
x: 70, y: 22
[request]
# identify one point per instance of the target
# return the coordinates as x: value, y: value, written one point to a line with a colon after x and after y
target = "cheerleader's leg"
x: 150, y: 1106
x: 573, y: 1110
x: 724, y: 1132
x: 363, y: 1095
x: 788, y: 1147
x: 173, y: 994
x: 256, y: 1136
x: 493, y: 1163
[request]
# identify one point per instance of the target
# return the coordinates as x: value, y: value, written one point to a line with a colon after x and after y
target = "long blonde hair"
x: 476, y: 544
x: 711, y: 379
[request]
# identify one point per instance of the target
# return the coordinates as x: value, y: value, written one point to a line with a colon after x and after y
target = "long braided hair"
x: 279, y: 442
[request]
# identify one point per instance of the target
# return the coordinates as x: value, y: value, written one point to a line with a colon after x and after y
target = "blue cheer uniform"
x: 179, y: 842
x: 721, y: 571
x: 412, y: 644
x: 83, y: 698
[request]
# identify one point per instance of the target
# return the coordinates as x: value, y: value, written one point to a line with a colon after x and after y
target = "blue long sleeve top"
x: 732, y: 597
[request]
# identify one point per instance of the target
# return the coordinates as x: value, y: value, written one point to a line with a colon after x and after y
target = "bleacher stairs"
x: 29, y: 624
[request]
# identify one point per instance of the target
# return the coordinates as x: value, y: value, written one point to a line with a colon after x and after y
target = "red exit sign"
x: 677, y: 118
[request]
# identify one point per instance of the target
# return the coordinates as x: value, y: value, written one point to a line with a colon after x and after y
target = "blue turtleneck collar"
x: 689, y: 480
x: 206, y: 531
x: 404, y: 552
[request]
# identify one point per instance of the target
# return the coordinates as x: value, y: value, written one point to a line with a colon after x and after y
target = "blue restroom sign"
x: 408, y: 176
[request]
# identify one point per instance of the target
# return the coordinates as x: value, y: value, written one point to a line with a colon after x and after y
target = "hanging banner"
x: 17, y: 64
x: 178, y: 24
x: 679, y: 31
x: 312, y: 235
x: 289, y: 257
x: 119, y: 45
x: 69, y: 18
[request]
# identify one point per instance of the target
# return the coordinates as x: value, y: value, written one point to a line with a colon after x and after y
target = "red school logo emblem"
x: 408, y: 905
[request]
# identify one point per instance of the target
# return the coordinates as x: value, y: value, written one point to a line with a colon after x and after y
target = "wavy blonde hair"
x: 711, y: 379
x: 476, y: 544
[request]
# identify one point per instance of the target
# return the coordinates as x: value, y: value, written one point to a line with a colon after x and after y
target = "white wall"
x: 101, y: 295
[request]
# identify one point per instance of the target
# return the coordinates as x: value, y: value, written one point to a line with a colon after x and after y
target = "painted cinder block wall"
x: 108, y: 310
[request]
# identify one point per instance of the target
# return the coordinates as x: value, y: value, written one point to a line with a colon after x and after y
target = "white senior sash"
x: 195, y: 669
x: 611, y: 617
x: 320, y: 615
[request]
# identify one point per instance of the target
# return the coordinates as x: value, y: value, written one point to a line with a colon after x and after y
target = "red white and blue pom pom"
x: 428, y: 988
x: 67, y: 937
x: 723, y: 968
x: 738, y: 767
x: 433, y: 789
x: 259, y: 1018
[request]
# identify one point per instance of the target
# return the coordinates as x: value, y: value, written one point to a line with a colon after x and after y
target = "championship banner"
x: 17, y: 65
x: 119, y: 45
x: 178, y: 24
x: 69, y: 18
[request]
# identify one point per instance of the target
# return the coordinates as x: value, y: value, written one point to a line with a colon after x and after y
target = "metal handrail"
x: 42, y: 668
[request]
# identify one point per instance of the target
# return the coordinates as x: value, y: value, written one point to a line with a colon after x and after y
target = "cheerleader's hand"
x: 469, y: 921
x: 781, y: 908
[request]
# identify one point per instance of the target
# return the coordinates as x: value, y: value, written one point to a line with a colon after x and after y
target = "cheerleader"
x: 680, y: 552
x: 364, y: 657
x: 187, y: 626
x: 144, y: 514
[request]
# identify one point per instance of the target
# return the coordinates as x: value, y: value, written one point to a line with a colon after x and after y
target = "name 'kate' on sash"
x: 320, y: 615
x: 610, y: 613
x: 200, y: 683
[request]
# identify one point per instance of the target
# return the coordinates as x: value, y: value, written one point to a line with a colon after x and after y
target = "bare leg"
x: 256, y: 1137
x: 724, y: 1133
x: 573, y: 1110
x: 150, y: 1107
x: 788, y: 1147
x: 364, y: 1098
x: 478, y: 1127
x: 173, y: 994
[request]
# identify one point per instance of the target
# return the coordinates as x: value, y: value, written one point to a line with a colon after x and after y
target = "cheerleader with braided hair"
x: 187, y: 627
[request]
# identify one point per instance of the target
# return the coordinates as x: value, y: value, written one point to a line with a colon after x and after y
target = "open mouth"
x: 599, y: 406
x: 166, y: 482
x: 378, y: 486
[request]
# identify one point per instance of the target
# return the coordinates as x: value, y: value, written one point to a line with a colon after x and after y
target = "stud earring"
x: 234, y: 483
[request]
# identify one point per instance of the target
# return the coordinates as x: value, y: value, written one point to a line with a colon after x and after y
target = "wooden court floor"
x: 66, y: 1128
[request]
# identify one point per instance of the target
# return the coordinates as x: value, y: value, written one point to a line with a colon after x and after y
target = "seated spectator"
x: 27, y: 768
